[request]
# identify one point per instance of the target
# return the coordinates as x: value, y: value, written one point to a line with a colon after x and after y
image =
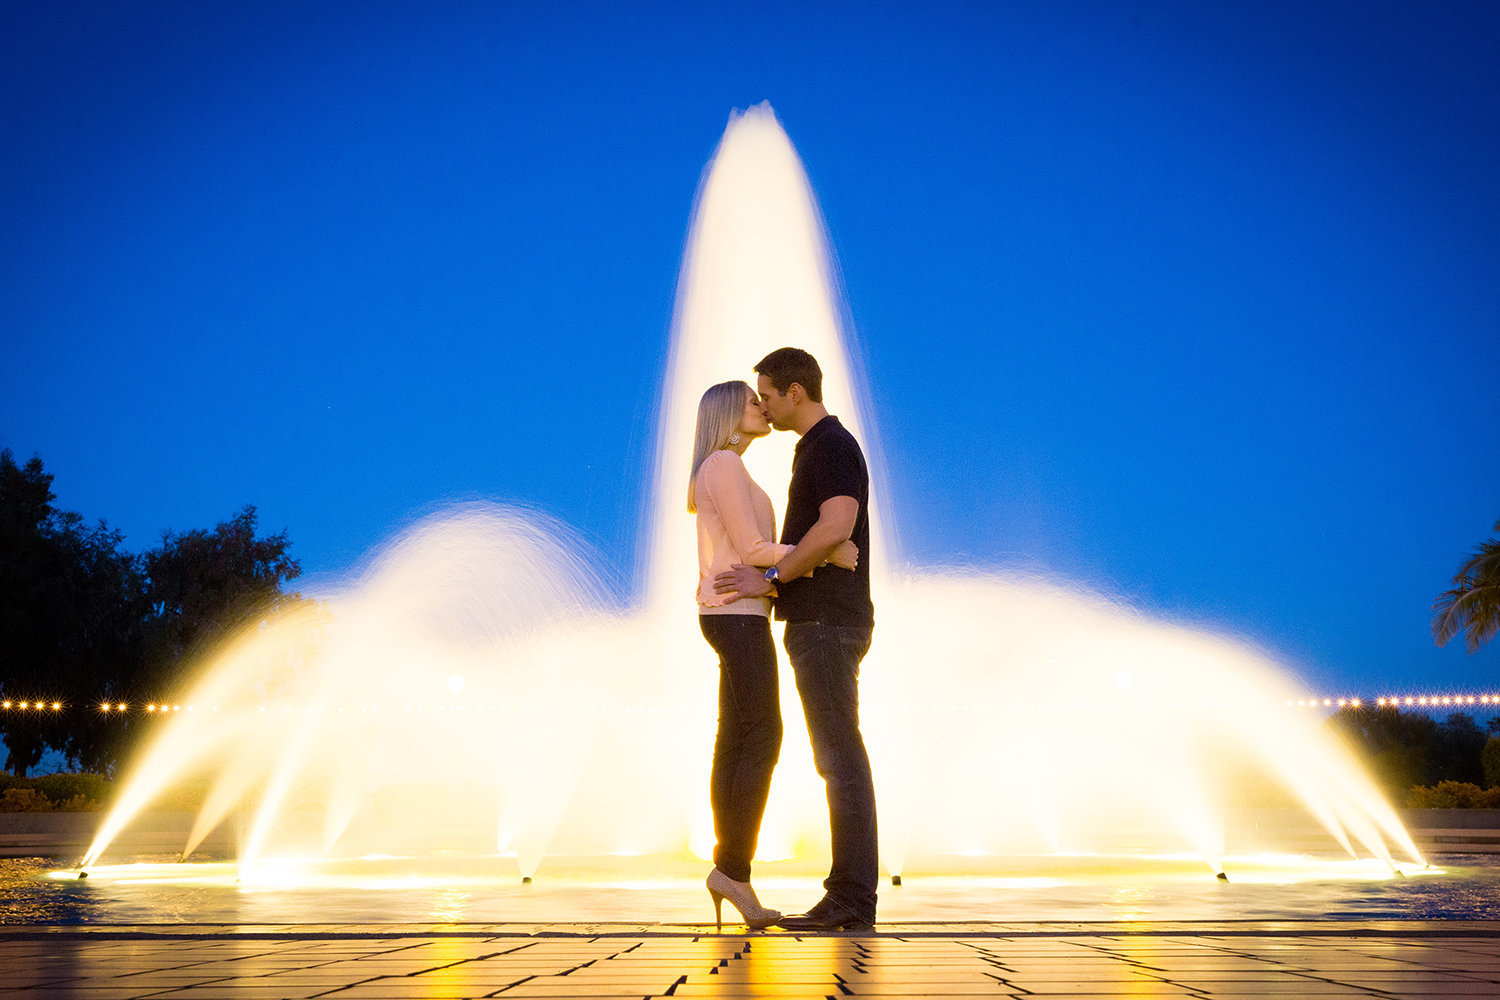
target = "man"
x: 829, y: 620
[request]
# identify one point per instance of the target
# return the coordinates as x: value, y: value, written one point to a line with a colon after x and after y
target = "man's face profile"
x: 777, y: 407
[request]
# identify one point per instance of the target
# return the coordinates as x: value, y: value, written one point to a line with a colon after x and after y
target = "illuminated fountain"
x: 472, y: 692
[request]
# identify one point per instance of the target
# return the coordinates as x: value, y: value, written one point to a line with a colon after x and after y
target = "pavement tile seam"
x: 1472, y: 930
x: 1305, y: 965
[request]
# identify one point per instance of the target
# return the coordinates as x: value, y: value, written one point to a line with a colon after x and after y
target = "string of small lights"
x: 162, y: 709
x: 44, y: 706
x: 1402, y: 701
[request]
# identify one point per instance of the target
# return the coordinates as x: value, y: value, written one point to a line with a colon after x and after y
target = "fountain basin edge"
x: 68, y: 835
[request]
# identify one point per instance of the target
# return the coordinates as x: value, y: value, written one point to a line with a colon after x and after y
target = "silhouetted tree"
x: 1473, y: 605
x: 1490, y: 759
x: 1405, y: 749
x: 1397, y: 745
x: 83, y: 622
x: 100, y: 645
x: 203, y: 586
x: 1460, y: 750
x: 70, y: 614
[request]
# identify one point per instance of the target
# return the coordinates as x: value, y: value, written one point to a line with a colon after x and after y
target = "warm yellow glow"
x: 505, y: 600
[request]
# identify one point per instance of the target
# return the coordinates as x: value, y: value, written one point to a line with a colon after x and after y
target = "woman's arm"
x: 727, y: 485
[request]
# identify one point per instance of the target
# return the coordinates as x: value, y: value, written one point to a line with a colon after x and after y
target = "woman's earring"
x: 734, y: 438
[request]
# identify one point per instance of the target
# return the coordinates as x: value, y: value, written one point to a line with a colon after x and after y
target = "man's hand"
x: 743, y: 581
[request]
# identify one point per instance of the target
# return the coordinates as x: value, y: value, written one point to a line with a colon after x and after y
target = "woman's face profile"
x: 753, y: 421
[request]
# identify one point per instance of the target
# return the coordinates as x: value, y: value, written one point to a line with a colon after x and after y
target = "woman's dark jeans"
x: 749, y: 739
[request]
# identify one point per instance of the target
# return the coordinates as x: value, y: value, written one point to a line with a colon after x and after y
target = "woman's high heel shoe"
x: 722, y: 887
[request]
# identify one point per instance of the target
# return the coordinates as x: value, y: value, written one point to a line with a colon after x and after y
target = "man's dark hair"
x: 786, y: 365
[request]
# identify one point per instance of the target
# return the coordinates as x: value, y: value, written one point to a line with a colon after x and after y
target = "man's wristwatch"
x: 772, y: 577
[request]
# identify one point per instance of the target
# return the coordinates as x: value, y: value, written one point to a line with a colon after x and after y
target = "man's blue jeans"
x: 825, y: 659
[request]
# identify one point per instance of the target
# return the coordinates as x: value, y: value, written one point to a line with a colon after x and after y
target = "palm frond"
x: 1475, y: 611
x: 1473, y: 605
x: 1484, y: 565
x: 1446, y: 623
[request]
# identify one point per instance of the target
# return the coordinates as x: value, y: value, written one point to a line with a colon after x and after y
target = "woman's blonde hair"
x: 719, y: 413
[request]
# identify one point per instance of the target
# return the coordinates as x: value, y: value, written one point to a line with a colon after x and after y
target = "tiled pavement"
x: 1311, y: 959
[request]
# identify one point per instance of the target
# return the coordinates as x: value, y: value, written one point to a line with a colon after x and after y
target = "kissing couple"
x: 817, y: 580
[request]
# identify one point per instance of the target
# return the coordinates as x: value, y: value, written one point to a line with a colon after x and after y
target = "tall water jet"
x: 952, y: 649
x: 1004, y: 714
x: 757, y: 274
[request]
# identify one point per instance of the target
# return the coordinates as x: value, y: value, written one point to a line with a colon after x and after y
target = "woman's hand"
x: 846, y: 556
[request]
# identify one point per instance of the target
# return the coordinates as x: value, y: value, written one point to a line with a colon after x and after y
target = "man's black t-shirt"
x: 827, y: 464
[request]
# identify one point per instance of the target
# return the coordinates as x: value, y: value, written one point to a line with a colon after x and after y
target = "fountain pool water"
x: 373, y: 892
x: 472, y: 694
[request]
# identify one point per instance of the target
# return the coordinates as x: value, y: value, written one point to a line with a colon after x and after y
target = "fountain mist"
x: 472, y: 692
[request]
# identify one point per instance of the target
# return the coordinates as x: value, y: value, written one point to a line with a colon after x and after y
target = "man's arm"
x: 835, y: 524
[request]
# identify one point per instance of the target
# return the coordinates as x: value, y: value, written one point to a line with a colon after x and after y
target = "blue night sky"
x: 1196, y: 303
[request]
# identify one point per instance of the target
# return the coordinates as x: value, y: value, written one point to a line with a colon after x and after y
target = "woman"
x: 735, y: 525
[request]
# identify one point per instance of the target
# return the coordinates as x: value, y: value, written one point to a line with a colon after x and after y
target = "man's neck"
x: 807, y: 417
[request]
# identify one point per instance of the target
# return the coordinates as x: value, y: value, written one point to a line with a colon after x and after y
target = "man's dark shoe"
x: 826, y: 916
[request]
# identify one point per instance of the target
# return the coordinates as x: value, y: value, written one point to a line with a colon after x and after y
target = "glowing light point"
x: 456, y: 684
x: 1122, y: 679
